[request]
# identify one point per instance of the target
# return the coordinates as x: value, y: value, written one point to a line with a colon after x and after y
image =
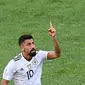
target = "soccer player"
x: 26, y: 67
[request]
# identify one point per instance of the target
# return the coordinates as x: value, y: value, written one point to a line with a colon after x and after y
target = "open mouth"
x: 32, y: 52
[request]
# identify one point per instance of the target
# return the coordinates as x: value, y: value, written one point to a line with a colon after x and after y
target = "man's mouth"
x: 32, y: 52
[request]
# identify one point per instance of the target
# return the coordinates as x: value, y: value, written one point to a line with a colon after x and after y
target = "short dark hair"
x: 23, y: 38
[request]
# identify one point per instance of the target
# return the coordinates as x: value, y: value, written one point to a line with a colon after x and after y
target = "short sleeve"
x: 9, y: 71
x: 44, y: 54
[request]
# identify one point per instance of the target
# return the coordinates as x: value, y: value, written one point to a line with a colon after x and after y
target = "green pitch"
x: 19, y: 17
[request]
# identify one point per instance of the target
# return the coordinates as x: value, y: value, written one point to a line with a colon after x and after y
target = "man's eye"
x: 29, y: 44
x: 33, y: 43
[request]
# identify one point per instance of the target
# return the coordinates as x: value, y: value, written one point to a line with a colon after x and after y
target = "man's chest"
x: 29, y: 69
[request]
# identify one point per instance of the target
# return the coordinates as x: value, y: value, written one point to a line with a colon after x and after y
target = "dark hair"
x: 23, y: 38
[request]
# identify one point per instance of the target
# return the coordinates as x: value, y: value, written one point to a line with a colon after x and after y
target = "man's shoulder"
x: 41, y: 51
x: 18, y: 57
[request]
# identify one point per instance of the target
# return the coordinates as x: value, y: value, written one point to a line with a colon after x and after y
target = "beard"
x: 32, y: 53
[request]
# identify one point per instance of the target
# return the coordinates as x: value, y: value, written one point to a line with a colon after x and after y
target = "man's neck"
x: 26, y: 56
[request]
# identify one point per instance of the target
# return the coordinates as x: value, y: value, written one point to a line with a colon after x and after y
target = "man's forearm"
x: 56, y: 47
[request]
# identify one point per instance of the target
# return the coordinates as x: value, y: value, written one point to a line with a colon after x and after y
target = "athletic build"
x: 26, y: 68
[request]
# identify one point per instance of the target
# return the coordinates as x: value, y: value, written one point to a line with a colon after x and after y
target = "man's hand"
x: 52, y: 31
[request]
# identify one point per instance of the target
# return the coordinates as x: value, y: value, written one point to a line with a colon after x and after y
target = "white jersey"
x: 24, y: 72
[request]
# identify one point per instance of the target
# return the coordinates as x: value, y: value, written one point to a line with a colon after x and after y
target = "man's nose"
x: 33, y: 46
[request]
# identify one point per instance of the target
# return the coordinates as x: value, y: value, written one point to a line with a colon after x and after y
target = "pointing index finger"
x: 51, y: 25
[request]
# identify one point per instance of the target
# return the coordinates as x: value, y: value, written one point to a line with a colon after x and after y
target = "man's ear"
x: 22, y: 48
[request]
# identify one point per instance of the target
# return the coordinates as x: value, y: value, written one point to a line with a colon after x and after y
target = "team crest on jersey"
x: 29, y: 66
x: 34, y: 62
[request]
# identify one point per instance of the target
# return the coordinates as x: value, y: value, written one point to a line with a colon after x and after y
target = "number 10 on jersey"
x: 30, y: 73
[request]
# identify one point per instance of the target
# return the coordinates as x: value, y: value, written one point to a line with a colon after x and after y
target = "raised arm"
x: 57, y: 51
